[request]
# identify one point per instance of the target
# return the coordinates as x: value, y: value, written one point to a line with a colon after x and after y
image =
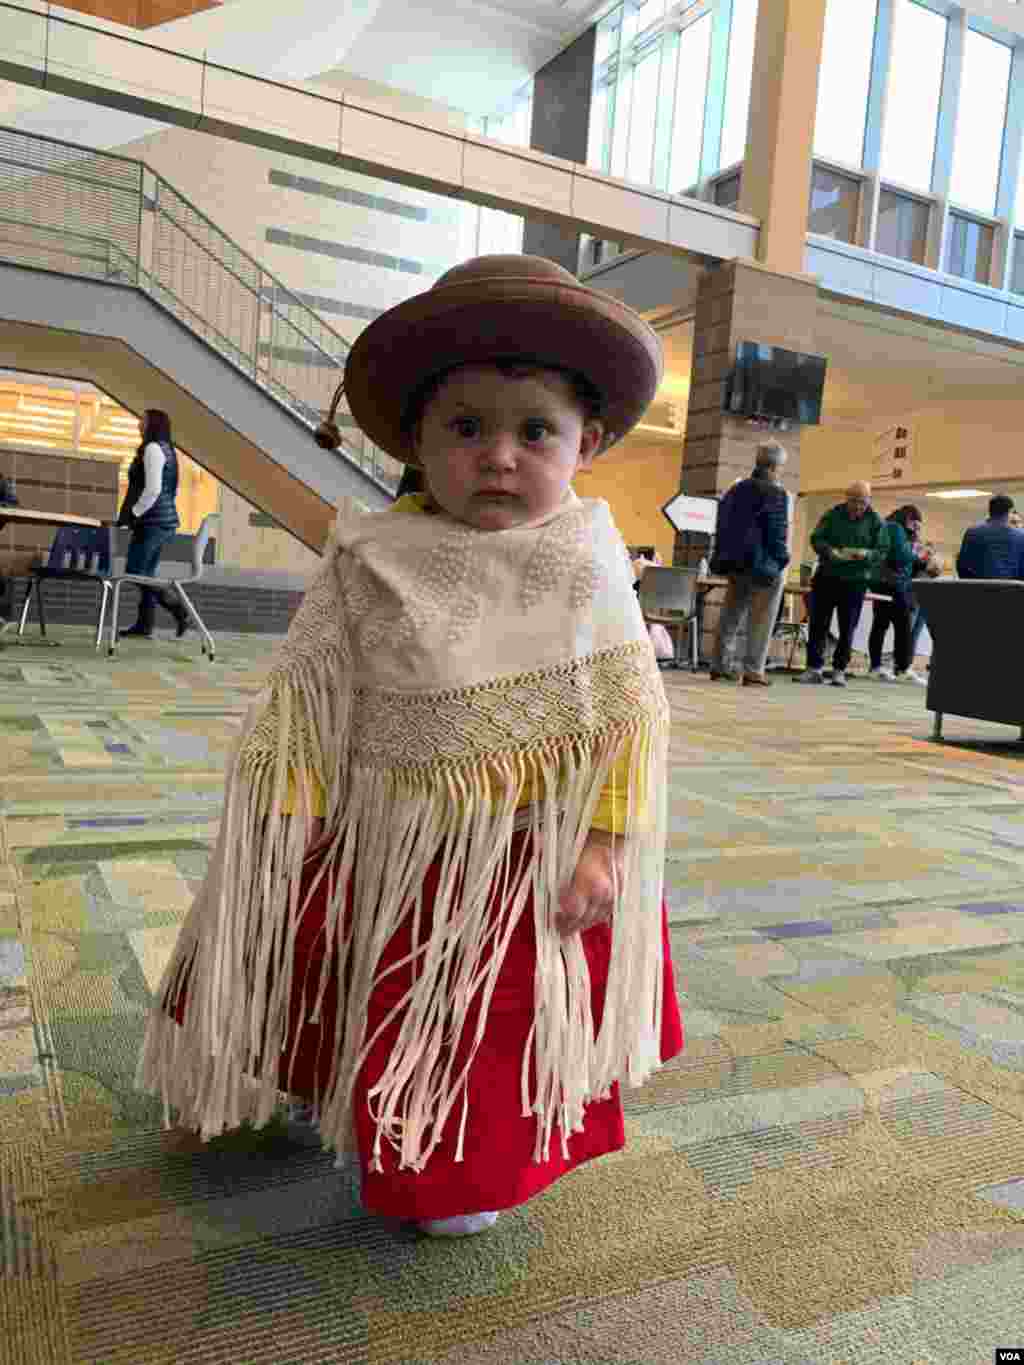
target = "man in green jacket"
x: 852, y: 544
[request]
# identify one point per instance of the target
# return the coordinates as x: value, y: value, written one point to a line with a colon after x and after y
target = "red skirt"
x: 498, y: 1170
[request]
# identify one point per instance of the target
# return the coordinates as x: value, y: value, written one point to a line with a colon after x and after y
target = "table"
x: 802, y: 590
x: 28, y: 516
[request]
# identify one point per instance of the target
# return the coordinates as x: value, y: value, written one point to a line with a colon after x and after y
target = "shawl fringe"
x: 386, y: 824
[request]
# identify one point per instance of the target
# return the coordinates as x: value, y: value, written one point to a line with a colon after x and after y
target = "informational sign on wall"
x: 892, y: 457
x: 692, y: 514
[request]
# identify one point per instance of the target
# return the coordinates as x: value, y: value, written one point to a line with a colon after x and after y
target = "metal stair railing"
x: 99, y: 215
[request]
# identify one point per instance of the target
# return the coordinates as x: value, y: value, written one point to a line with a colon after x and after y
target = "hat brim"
x: 479, y: 321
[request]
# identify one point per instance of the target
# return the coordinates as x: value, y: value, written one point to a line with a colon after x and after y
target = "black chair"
x: 79, y: 554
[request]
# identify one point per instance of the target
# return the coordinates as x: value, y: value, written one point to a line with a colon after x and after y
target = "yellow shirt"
x: 610, y: 812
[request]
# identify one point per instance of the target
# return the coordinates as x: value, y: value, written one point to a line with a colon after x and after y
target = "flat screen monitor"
x: 770, y: 382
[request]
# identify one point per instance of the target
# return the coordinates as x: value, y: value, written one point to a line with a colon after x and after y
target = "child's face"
x: 500, y: 451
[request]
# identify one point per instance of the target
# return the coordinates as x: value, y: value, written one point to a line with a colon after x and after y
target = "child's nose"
x: 501, y: 449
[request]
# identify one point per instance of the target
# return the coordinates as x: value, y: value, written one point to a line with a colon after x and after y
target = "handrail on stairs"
x: 175, y: 254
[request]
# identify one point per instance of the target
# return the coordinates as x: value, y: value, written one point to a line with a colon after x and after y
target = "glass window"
x: 513, y: 126
x: 500, y: 233
x: 607, y: 38
x: 1018, y: 215
x: 602, y: 99
x: 727, y: 191
x: 912, y: 104
x: 835, y: 202
x: 902, y: 226
x: 620, y: 127
x: 969, y: 248
x: 844, y: 79
x: 597, y: 130
x: 1017, y: 267
x: 640, y: 154
x: 691, y: 93
x: 981, y: 115
x: 738, y: 79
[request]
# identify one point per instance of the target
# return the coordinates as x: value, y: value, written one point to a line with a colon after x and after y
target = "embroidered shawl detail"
x: 432, y: 674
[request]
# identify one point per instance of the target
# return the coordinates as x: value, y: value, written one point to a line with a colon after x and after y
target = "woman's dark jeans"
x: 143, y: 556
x: 897, y: 614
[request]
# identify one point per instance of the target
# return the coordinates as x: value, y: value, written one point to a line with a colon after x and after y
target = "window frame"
x: 943, y: 13
x: 610, y: 73
x: 848, y: 173
x: 982, y: 220
x: 970, y: 27
x: 706, y: 190
x: 931, y: 203
x: 1015, y: 234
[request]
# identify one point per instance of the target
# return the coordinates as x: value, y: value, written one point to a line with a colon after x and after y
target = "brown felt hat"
x: 491, y: 308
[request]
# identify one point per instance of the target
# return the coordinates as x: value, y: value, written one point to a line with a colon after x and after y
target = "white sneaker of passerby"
x: 911, y: 677
x: 882, y: 675
x: 838, y: 678
x: 811, y: 675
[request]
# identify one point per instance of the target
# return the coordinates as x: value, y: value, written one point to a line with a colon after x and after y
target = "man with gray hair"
x: 751, y: 549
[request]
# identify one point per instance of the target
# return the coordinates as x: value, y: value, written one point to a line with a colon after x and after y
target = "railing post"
x: 147, y: 227
x: 272, y: 336
x: 257, y: 326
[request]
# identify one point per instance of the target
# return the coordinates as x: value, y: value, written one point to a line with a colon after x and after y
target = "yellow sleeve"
x: 317, y: 797
x: 610, y: 813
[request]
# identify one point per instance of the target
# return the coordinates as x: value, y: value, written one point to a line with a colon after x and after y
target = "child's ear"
x: 590, y: 443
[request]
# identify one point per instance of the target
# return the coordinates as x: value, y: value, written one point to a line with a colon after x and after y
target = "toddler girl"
x: 434, y: 910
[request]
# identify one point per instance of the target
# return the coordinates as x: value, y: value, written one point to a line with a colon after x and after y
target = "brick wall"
x: 53, y: 483
x: 738, y: 301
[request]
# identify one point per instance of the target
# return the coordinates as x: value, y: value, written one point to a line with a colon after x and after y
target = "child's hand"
x: 589, y: 898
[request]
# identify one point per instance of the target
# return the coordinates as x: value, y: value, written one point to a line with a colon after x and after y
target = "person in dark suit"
x: 994, y: 548
x: 150, y: 509
x: 751, y: 549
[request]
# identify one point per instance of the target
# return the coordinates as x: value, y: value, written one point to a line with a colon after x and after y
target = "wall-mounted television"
x: 771, y: 383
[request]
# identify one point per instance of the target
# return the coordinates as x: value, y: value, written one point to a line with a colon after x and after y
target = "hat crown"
x: 536, y: 268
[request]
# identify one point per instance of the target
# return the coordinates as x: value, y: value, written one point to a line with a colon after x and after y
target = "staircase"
x: 107, y: 273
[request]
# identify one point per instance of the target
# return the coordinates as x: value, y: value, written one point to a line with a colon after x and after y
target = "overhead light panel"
x: 48, y: 409
x: 951, y: 493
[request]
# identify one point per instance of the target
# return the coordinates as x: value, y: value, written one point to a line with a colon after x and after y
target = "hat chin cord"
x: 327, y: 435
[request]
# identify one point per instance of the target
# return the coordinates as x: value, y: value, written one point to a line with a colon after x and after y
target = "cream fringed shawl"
x: 431, y: 674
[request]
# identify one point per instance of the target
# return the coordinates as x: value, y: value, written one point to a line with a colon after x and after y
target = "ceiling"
x: 473, y: 55
x: 469, y: 55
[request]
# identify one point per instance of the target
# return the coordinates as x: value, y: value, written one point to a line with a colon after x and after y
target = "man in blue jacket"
x: 993, y: 549
x: 751, y: 548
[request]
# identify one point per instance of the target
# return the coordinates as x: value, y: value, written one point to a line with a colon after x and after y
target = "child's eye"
x: 535, y: 430
x: 466, y: 427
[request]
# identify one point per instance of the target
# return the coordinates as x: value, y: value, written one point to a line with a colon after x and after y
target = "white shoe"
x: 810, y: 675
x: 466, y: 1225
x: 838, y: 678
x: 911, y: 677
x: 882, y: 675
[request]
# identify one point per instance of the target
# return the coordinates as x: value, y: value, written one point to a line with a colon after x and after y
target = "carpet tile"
x: 831, y: 1173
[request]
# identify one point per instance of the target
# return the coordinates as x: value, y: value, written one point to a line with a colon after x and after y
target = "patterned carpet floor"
x: 833, y: 1171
